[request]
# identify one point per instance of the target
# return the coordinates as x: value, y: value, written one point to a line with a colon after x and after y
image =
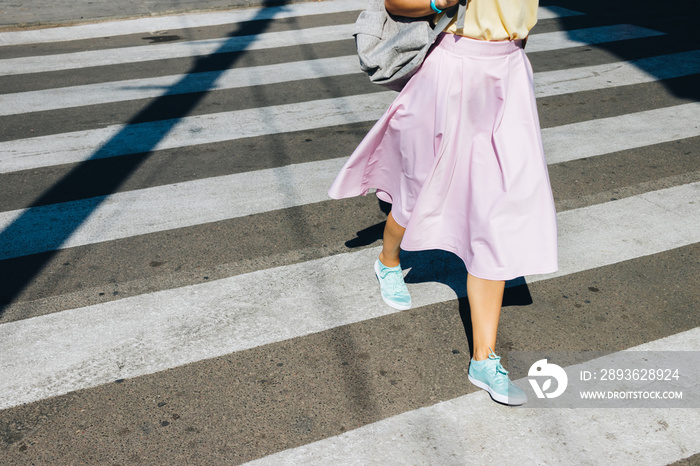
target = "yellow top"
x: 496, y: 19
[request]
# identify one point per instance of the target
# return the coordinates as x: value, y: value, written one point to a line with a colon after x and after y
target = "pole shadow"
x: 45, y: 227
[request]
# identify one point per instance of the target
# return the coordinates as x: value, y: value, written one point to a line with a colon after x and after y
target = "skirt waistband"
x: 461, y: 45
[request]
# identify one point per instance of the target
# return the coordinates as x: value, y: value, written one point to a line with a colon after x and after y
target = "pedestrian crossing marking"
x: 68, y: 61
x: 198, y: 20
x: 643, y: 70
x: 472, y: 429
x: 144, y: 53
x: 185, y: 21
x: 80, y: 348
x: 138, y: 212
x: 117, y: 140
x: 549, y: 41
x: 547, y: 83
x: 85, y: 347
x: 623, y: 132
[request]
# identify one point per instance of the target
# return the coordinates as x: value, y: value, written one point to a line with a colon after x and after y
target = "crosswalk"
x: 191, y: 253
x: 548, y: 83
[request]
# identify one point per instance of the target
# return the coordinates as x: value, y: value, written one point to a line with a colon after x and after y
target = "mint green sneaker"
x: 492, y: 377
x: 392, y: 286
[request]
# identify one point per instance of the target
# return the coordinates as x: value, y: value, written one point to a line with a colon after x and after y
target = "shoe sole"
x: 495, y: 396
x: 390, y: 304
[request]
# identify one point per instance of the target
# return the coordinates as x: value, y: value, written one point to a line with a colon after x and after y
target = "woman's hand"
x: 416, y: 8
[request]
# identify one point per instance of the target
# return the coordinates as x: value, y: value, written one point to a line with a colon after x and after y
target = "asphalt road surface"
x: 177, y: 288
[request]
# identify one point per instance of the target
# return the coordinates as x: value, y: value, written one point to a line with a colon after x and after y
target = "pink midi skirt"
x: 459, y: 156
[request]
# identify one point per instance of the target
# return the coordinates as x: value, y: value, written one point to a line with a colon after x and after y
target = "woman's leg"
x: 393, y: 234
x: 390, y: 275
x: 485, y: 299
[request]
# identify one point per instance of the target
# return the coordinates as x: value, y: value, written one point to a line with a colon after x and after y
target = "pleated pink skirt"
x: 459, y: 156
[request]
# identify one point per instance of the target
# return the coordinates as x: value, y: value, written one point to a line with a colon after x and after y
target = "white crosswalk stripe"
x: 196, y: 202
x: 428, y: 435
x: 546, y: 83
x: 644, y: 70
x: 560, y: 143
x: 58, y: 352
x: 333, y: 291
x: 143, y: 53
x: 144, y: 25
x: 538, y: 43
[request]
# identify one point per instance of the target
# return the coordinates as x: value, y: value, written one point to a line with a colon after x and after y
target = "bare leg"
x: 485, y: 299
x: 393, y: 234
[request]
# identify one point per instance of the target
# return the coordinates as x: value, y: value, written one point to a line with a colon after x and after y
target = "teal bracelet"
x: 434, y: 8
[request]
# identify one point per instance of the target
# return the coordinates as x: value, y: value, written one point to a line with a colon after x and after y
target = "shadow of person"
x: 438, y: 266
x: 371, y: 234
x: 448, y: 269
x: 442, y: 267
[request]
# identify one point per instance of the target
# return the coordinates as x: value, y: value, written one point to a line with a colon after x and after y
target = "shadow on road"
x: 215, y: 64
x: 677, y: 20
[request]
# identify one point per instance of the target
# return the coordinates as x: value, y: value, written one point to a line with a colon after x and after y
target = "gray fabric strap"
x: 447, y: 17
x: 461, y: 15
